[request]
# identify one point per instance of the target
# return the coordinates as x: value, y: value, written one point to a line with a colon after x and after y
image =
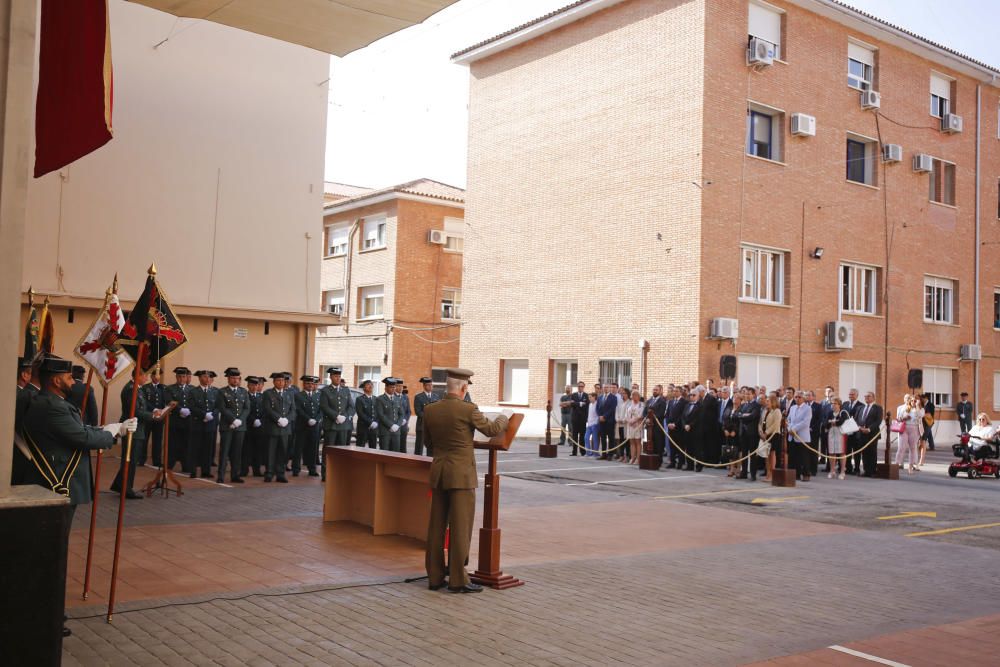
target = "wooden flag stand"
x: 165, y: 479
x: 489, y: 573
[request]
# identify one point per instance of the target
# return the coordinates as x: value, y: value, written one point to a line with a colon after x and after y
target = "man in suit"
x: 787, y: 401
x: 181, y: 427
x: 851, y: 405
x: 144, y: 417
x: 826, y: 408
x: 692, y: 429
x: 448, y: 430
x: 711, y: 432
x: 819, y: 419
x: 364, y: 406
x: 607, y: 403
x: 155, y: 394
x: 675, y: 410
x: 389, y: 415
x: 869, y: 426
x: 578, y: 419
x: 76, y: 394
x: 420, y: 402
x: 205, y: 424
x: 338, y: 411
x: 658, y: 405
x: 403, y: 398
x: 233, y: 408
x: 309, y: 422
x: 748, y: 418
x: 966, y: 413
x: 255, y: 442
x: 278, y: 405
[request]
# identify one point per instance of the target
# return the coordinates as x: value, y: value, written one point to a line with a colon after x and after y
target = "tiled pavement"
x: 612, y: 577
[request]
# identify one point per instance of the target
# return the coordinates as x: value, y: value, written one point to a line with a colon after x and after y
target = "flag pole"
x: 143, y: 344
x: 93, y: 508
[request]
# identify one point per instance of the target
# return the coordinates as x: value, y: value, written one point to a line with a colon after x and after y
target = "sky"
x: 398, y: 108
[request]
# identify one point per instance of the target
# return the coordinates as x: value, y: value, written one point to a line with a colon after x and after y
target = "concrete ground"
x: 621, y: 566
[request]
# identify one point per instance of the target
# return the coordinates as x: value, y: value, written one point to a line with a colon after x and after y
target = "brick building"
x: 646, y: 187
x: 392, y: 277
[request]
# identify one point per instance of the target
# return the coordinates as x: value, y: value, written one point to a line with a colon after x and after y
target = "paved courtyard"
x: 621, y: 566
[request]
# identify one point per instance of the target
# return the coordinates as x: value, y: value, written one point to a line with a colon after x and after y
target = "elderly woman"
x: 910, y: 414
x: 769, y: 429
x: 836, y: 442
x: 635, y: 415
x: 983, y: 433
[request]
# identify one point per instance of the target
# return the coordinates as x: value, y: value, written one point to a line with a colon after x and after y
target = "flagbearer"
x: 255, y: 444
x: 308, y: 426
x: 338, y: 411
x: 278, y: 407
x: 205, y: 424
x: 180, y: 393
x: 233, y: 408
x: 144, y: 418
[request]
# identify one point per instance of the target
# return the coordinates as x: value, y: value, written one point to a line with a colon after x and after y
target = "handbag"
x: 730, y: 452
x: 929, y: 419
x: 849, y: 427
x: 763, y: 448
x: 897, y: 426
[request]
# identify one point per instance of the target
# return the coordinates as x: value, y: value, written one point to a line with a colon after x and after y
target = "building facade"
x: 230, y: 212
x: 392, y: 283
x: 675, y: 197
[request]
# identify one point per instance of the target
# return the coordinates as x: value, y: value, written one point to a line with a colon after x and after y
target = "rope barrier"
x: 576, y: 443
x: 704, y: 464
x: 837, y: 457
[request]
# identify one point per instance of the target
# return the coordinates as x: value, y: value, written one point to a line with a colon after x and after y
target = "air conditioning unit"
x: 803, y: 125
x: 725, y: 327
x: 892, y: 153
x: 760, y: 52
x: 951, y: 123
x: 337, y: 309
x: 839, y: 335
x: 437, y: 237
x: 870, y: 99
x: 922, y: 163
x: 971, y: 353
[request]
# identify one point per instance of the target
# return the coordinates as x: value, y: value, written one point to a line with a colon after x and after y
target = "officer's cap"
x: 23, y: 362
x: 277, y: 375
x: 232, y: 371
x: 389, y: 381
x: 183, y: 370
x: 425, y: 380
x: 53, y: 365
x: 365, y: 383
x: 334, y: 370
x: 287, y: 374
x: 253, y: 379
x: 309, y: 378
x: 210, y: 374
x: 460, y: 374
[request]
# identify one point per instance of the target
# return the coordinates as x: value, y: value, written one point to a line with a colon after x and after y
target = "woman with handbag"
x: 769, y: 430
x: 907, y: 426
x: 836, y: 444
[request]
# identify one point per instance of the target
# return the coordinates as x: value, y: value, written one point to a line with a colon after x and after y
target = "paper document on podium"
x: 503, y: 439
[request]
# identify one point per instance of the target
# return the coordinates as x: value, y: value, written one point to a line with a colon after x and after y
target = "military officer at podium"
x: 308, y: 425
x: 338, y: 410
x: 233, y: 407
x: 389, y: 415
x: 278, y: 405
x: 421, y: 401
x: 448, y: 428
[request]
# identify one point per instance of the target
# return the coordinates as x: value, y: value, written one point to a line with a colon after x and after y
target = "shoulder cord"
x: 57, y: 484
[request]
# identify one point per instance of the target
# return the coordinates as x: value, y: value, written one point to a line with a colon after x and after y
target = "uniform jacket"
x: 389, y: 411
x: 156, y: 395
x: 55, y: 427
x: 277, y: 405
x: 76, y: 394
x: 232, y: 403
x: 22, y: 402
x: 448, y: 428
x: 142, y: 412
x: 333, y: 402
x: 365, y: 407
x: 182, y: 394
x: 404, y: 404
x: 308, y: 407
x: 421, y: 401
x: 256, y: 411
x: 203, y: 400
x: 293, y: 390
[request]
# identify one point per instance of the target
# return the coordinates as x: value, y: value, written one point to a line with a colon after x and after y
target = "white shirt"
x: 592, y: 419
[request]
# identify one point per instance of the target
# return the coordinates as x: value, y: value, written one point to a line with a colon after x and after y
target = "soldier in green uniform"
x: 308, y: 425
x: 27, y: 389
x: 293, y: 418
x: 364, y: 406
x: 338, y: 411
x: 233, y: 408
x: 204, y: 425
x: 448, y: 428
x: 421, y: 401
x: 180, y: 393
x: 144, y: 417
x: 278, y: 406
x: 255, y: 445
x: 403, y: 398
x: 156, y: 398
x: 389, y: 415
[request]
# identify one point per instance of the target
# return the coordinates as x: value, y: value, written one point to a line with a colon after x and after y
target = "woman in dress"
x: 836, y: 443
x: 769, y: 429
x: 910, y: 414
x: 635, y: 415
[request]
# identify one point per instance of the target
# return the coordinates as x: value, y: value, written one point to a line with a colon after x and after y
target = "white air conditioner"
x: 337, y: 309
x: 437, y: 237
x: 760, y: 52
x: 951, y: 123
x: 892, y: 153
x: 803, y: 125
x: 971, y: 353
x: 725, y: 327
x: 839, y: 335
x: 923, y: 162
x: 870, y: 99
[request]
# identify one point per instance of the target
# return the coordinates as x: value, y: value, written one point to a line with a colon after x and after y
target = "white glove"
x: 340, y: 419
x: 185, y: 412
x: 209, y: 416
x: 394, y: 428
x: 128, y: 426
x: 282, y: 422
x: 374, y: 425
x: 237, y: 423
x: 114, y: 428
x: 312, y: 422
x: 256, y: 423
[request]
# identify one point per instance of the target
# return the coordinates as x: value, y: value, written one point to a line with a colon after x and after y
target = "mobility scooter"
x: 976, y: 459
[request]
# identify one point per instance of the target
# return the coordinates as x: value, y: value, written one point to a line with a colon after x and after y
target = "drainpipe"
x: 975, y: 366
x: 347, y: 276
x: 644, y: 346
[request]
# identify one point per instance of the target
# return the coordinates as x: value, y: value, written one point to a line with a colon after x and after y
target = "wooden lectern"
x: 165, y: 479
x: 489, y: 573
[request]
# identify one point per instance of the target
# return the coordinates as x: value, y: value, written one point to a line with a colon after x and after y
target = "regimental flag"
x: 32, y: 331
x: 73, y: 109
x: 99, y: 347
x: 46, y: 332
x: 152, y: 321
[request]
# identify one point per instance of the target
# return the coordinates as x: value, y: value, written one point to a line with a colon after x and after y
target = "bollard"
x: 547, y: 450
x: 649, y: 459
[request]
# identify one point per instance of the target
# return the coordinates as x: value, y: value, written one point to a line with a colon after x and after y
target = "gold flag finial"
x: 152, y: 269
x: 47, y: 302
x: 114, y: 285
x: 31, y: 296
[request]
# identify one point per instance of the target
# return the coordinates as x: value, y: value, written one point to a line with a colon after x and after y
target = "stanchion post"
x: 650, y: 459
x: 783, y: 476
x: 547, y: 450
x: 888, y: 469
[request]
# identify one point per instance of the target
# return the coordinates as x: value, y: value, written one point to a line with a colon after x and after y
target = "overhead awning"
x: 334, y: 26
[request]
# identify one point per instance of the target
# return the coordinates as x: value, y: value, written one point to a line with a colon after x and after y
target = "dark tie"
x: 864, y: 417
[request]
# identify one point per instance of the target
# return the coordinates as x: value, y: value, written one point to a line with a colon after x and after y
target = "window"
x: 454, y: 229
x: 858, y: 289
x: 764, y: 128
x: 861, y: 153
x: 939, y: 300
x: 615, y: 370
x: 371, y: 301
x: 439, y: 380
x: 856, y: 375
x: 451, y: 304
x: 755, y: 370
x: 765, y: 23
x: 940, y: 95
x: 996, y: 309
x: 860, y: 66
x: 374, y: 234
x: 336, y: 240
x: 333, y: 301
x: 942, y: 189
x: 996, y: 391
x: 515, y: 381
x: 937, y: 383
x: 373, y: 373
x: 763, y: 275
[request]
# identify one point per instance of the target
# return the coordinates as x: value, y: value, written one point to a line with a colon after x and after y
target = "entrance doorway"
x: 563, y: 373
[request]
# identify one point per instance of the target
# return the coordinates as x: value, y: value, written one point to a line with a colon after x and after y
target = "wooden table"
x: 388, y: 491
